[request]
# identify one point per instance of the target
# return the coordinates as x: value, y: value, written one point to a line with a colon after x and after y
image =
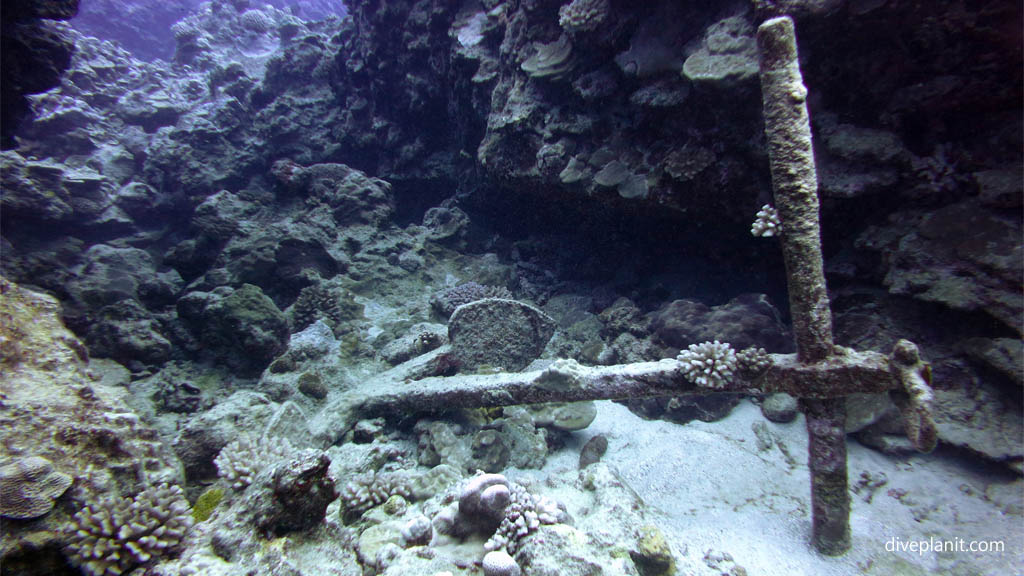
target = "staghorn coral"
x: 709, y: 364
x: 115, y: 535
x: 372, y: 489
x: 583, y: 15
x: 28, y: 487
x: 447, y: 300
x: 767, y: 222
x: 242, y: 459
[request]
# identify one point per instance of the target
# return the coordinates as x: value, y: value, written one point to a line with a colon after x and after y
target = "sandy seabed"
x: 724, y: 500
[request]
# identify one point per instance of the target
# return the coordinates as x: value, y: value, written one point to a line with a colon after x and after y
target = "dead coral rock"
x: 976, y: 415
x: 420, y: 339
x: 964, y: 255
x: 1004, y: 355
x: 447, y: 300
x: 302, y: 488
x: 745, y: 321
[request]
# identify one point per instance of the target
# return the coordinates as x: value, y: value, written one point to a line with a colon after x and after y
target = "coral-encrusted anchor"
x: 820, y: 373
x: 916, y: 398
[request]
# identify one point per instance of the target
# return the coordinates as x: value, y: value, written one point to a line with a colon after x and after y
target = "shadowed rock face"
x: 34, y: 52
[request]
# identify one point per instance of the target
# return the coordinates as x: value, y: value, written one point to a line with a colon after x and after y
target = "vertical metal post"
x: 795, y: 186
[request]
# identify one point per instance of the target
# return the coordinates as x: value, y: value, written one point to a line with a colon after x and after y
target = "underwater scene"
x: 512, y: 288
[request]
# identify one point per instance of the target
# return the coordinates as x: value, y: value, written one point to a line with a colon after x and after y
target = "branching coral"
x: 767, y: 222
x: 371, y: 489
x: 115, y: 535
x: 709, y: 364
x: 242, y: 459
x: 524, y: 513
x: 753, y: 360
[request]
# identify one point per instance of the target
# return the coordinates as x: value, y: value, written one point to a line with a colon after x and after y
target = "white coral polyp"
x: 709, y: 364
x: 767, y: 222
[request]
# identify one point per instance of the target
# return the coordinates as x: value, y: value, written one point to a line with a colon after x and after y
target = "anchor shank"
x: 830, y: 501
x: 795, y: 186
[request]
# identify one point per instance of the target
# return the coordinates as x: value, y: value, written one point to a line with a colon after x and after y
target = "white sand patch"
x: 710, y: 489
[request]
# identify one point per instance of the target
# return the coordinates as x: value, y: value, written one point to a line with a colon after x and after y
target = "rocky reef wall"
x: 592, y: 146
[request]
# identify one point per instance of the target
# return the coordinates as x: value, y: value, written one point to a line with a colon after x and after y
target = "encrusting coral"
x: 448, y: 299
x: 583, y: 15
x: 115, y: 535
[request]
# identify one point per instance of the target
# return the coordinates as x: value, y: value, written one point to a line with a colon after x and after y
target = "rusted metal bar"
x: 567, y: 381
x: 795, y: 186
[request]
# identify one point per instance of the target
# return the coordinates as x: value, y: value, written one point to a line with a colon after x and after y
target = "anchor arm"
x: 915, y: 397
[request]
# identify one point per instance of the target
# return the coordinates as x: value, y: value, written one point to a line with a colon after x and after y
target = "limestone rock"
x: 780, y: 408
x: 974, y: 416
x: 964, y: 255
x: 745, y: 321
x: 36, y: 52
x: 1004, y: 355
x: 243, y: 326
x: 420, y: 339
x: 60, y: 407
